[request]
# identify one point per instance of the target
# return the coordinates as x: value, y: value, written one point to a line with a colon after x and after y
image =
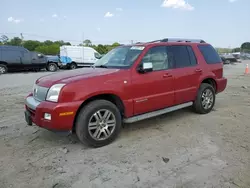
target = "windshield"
x: 120, y: 57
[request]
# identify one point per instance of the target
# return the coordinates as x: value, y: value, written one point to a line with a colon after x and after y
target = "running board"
x: 156, y: 113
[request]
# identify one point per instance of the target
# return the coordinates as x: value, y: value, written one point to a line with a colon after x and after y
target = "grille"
x: 39, y: 93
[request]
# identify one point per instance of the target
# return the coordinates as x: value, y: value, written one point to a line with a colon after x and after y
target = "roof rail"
x: 179, y: 40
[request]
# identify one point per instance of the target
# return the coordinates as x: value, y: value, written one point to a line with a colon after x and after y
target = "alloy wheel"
x: 102, y: 124
x: 207, y: 99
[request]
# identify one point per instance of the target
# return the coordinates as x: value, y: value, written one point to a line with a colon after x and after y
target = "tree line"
x: 49, y: 47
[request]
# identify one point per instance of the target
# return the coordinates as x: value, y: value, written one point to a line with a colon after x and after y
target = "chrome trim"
x: 157, y: 113
x: 31, y: 102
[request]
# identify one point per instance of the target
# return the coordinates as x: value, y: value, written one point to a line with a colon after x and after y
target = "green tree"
x: 4, y: 39
x: 236, y: 50
x: 31, y: 44
x: 101, y: 49
x: 49, y: 50
x: 16, y: 41
x: 48, y: 42
x: 87, y: 42
x: 116, y: 44
x: 245, y: 47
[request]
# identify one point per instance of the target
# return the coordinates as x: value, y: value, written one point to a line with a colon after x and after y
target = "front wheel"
x: 73, y: 66
x: 98, y: 123
x: 205, y: 99
x: 52, y: 67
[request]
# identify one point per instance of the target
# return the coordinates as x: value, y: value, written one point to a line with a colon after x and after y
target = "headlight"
x: 54, y: 92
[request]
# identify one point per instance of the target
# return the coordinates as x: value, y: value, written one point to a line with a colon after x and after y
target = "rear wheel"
x: 52, y: 67
x: 205, y: 99
x: 3, y: 69
x: 98, y: 123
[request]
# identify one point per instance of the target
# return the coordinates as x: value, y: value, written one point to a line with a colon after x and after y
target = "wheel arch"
x: 210, y: 81
x: 115, y: 99
x: 3, y: 63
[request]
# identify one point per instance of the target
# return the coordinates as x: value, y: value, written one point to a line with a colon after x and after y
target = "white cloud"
x: 108, y: 15
x: 11, y: 19
x: 54, y: 16
x: 42, y: 20
x: 177, y: 4
x: 119, y: 9
x: 64, y: 17
x: 231, y: 1
x: 99, y: 29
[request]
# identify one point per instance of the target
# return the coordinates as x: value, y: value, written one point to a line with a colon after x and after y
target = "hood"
x: 72, y: 76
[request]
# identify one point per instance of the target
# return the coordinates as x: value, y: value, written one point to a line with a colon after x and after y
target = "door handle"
x: 198, y: 70
x: 167, y: 75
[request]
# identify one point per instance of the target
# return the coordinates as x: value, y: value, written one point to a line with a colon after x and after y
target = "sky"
x: 222, y: 23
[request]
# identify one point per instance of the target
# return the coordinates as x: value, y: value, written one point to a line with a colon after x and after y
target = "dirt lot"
x: 179, y: 150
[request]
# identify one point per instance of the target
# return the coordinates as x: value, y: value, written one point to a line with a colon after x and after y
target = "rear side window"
x: 209, y: 54
x: 183, y: 56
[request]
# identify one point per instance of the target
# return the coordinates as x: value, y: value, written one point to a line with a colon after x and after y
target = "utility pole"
x: 21, y: 38
x: 132, y: 41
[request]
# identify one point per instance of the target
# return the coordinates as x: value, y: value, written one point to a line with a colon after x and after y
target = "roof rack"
x: 179, y: 40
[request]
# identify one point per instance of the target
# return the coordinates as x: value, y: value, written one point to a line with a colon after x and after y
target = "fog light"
x: 47, y: 116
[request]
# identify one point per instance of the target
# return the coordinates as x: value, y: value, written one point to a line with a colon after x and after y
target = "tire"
x: 227, y: 61
x: 3, y: 69
x: 86, y: 132
x: 52, y: 67
x: 201, y: 100
x: 72, y: 66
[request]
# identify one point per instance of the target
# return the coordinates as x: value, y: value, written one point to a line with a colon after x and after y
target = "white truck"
x: 80, y: 56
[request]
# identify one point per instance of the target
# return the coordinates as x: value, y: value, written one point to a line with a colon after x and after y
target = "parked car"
x: 129, y: 84
x: 80, y: 56
x: 227, y: 59
x: 19, y: 58
x: 53, y: 60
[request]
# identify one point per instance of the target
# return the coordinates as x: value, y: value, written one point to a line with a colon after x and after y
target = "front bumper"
x: 62, y: 114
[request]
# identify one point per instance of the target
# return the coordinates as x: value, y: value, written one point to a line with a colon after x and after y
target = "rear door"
x: 12, y: 56
x: 186, y: 73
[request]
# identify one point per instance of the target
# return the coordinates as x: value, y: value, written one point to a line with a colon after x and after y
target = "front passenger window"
x: 158, y: 57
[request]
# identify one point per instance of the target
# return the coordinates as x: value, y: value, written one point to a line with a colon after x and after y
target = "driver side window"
x: 158, y: 57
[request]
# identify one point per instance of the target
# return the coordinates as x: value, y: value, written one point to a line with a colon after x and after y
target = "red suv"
x: 128, y: 84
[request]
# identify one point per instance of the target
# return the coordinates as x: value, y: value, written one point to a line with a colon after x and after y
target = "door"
x: 38, y: 60
x: 186, y: 73
x: 26, y: 58
x: 12, y: 57
x: 153, y: 90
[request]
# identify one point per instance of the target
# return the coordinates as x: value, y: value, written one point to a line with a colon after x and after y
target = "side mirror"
x: 145, y: 67
x: 40, y: 55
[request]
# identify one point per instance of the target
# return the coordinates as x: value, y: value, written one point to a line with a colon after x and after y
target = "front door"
x: 153, y: 90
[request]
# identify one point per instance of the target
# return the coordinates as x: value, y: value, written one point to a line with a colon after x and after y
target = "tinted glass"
x: 181, y: 56
x: 192, y: 57
x: 209, y: 54
x: 158, y: 57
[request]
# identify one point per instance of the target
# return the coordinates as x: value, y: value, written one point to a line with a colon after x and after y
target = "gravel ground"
x: 176, y: 150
